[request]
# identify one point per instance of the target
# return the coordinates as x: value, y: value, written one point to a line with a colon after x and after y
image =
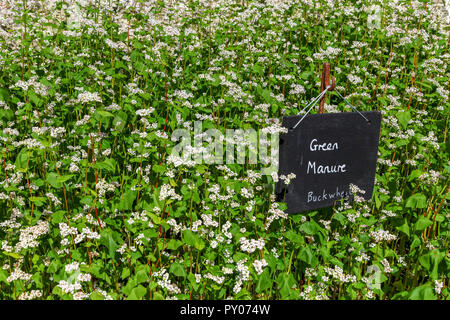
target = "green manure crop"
x: 93, y: 206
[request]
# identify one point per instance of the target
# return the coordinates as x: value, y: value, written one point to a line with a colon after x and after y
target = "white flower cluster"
x: 133, y: 88
x: 165, y: 282
x: 362, y: 257
x: 104, y: 293
x: 144, y: 112
x: 214, y: 193
x: 438, y: 285
x: 178, y: 161
x: 11, y: 132
x: 432, y: 139
x: 11, y: 222
x: 84, y: 277
x: 275, y: 214
x: 86, y: 96
x: 287, y: 179
x: 5, y: 246
x: 274, y: 129
x: 175, y: 227
x: 355, y: 189
x: 431, y: 178
x: 217, y: 279
x: 401, y: 261
x: 354, y: 79
x: 65, y: 230
x: 102, y: 187
x: 33, y: 294
x: 168, y: 192
x: 28, y: 236
x: 259, y: 265
x: 113, y: 107
x: 18, y: 274
x: 244, y: 275
x: 67, y: 287
x: 225, y: 228
x: 83, y: 121
x: 338, y: 274
x: 387, y: 267
x: 297, y: 89
x: 382, y: 235
x: 208, y: 221
x: 389, y: 162
x: 54, y: 199
x: 72, y: 266
x: 86, y: 233
x: 80, y: 295
x: 329, y: 53
x: 58, y: 132
x: 251, y: 245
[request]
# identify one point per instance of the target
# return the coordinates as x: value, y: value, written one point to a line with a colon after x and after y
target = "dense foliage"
x: 93, y: 207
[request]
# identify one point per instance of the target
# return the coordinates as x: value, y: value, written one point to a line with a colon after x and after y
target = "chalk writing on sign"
x: 327, y: 152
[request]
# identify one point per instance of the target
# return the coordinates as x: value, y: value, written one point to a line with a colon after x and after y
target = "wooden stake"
x: 325, y: 82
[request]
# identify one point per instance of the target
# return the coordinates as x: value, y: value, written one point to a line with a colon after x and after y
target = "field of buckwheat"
x: 94, y: 206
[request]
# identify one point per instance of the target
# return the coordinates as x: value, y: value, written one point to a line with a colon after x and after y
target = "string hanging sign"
x: 327, y: 153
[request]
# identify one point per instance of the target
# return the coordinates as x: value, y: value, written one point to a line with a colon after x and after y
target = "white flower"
x: 72, y: 266
x: 259, y: 265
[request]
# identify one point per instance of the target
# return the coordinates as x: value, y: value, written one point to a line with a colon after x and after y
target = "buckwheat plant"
x: 94, y: 206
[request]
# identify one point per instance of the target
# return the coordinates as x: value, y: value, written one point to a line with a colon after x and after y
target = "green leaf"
x: 105, y: 114
x: 158, y: 168
x: 64, y: 178
x: 156, y: 220
x: 96, y: 296
x: 158, y: 296
x: 22, y: 159
x: 174, y: 244
x: 422, y: 223
x: 404, y: 227
x: 430, y: 262
x: 126, y: 202
x: 403, y: 118
x: 58, y: 216
x: 192, y: 239
x: 424, y: 292
x: 38, y: 201
x: 294, y: 237
x: 129, y: 286
x: 3, y: 276
x: 142, y: 276
x: 309, y: 227
x: 415, y: 174
x: 108, y: 240
x: 200, y: 245
x: 52, y: 179
x: 189, y: 237
x: 177, y: 269
x: 377, y: 201
x: 417, y: 201
x: 264, y: 281
x: 286, y: 283
x: 415, y: 243
x: 108, y: 164
x: 125, y: 273
x: 137, y: 293
x: 12, y: 254
x: 193, y: 281
x: 308, y: 256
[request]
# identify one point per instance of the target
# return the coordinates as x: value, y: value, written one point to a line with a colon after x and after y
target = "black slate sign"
x: 327, y: 152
